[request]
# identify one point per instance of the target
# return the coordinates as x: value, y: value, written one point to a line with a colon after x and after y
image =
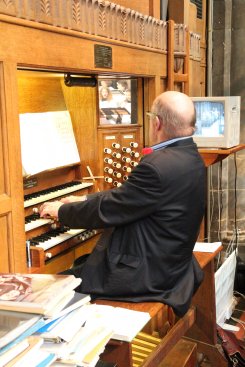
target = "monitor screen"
x: 217, y: 121
x: 209, y: 118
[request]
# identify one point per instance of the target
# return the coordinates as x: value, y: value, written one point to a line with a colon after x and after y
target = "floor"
x: 237, y: 319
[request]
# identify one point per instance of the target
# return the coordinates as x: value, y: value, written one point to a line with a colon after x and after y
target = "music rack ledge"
x: 214, y: 155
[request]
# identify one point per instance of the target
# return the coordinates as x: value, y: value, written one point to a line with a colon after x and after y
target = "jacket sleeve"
x: 137, y: 197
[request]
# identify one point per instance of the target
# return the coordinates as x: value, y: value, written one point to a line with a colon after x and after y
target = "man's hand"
x: 73, y: 199
x: 50, y: 209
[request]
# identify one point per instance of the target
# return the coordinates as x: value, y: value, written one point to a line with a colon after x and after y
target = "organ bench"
x: 195, y: 331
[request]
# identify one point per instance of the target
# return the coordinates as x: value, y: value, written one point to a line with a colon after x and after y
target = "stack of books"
x: 45, y: 322
x: 28, y: 302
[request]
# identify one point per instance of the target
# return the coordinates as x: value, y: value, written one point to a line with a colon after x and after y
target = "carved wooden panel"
x: 95, y: 17
x: 195, y: 46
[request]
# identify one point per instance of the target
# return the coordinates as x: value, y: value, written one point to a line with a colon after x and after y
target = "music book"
x: 47, y: 141
x: 34, y: 293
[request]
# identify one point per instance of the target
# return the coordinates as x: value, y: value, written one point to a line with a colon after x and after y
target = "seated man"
x: 151, y: 222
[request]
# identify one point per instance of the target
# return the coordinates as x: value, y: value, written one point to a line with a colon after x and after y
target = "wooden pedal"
x: 142, y: 345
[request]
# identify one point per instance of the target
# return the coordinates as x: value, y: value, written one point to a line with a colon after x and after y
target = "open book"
x: 47, y: 141
x: 34, y: 293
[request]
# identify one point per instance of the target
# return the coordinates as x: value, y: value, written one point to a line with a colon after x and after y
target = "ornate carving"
x: 76, y: 12
x: 123, y: 23
x: 8, y: 7
x: 8, y: 3
x: 195, y: 49
x: 156, y: 37
x: 45, y: 7
x: 103, y: 18
x: 141, y: 29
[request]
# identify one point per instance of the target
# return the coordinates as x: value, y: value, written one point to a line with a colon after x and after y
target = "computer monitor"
x: 218, y: 121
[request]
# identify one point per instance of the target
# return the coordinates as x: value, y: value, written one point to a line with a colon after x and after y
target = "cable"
x: 220, y: 199
x: 235, y: 200
x: 242, y: 323
x: 240, y: 294
x: 211, y: 201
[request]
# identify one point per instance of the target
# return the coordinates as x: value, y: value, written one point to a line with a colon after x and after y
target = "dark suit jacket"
x: 153, y: 221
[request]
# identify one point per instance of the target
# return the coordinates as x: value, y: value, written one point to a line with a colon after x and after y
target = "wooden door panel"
x: 13, y: 255
x: 4, y: 258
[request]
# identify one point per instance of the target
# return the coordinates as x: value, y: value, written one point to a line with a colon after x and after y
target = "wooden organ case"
x: 50, y: 247
x: 40, y: 44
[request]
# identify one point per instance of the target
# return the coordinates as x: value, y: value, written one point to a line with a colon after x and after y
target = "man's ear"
x: 157, y: 123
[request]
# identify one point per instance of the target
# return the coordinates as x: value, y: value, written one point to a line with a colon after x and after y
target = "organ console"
x: 54, y: 192
x: 46, y: 238
x: 51, y: 247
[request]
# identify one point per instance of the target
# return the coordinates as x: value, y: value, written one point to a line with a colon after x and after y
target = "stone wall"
x: 227, y: 179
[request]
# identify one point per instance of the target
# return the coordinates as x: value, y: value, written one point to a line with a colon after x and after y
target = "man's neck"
x: 165, y: 143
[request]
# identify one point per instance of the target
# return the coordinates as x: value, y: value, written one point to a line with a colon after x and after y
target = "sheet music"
x: 47, y: 141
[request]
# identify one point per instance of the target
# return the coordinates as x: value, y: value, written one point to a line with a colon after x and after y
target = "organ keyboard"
x: 57, y: 245
x: 47, y: 239
x: 56, y: 236
x: 54, y: 192
x: 34, y: 221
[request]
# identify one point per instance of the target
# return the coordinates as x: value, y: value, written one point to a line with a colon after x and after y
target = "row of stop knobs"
x: 119, y: 162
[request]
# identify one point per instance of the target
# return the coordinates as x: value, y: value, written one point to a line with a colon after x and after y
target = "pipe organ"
x: 105, y: 160
x: 147, y: 53
x: 46, y: 239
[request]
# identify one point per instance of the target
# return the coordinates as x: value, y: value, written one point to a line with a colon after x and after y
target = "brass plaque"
x: 30, y: 182
x: 102, y: 56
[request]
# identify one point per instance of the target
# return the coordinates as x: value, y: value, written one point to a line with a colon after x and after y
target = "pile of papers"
x: 44, y: 322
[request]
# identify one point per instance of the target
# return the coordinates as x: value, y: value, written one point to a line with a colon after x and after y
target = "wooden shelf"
x: 213, y: 155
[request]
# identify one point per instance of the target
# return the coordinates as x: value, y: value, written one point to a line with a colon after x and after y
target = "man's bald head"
x: 176, y: 114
